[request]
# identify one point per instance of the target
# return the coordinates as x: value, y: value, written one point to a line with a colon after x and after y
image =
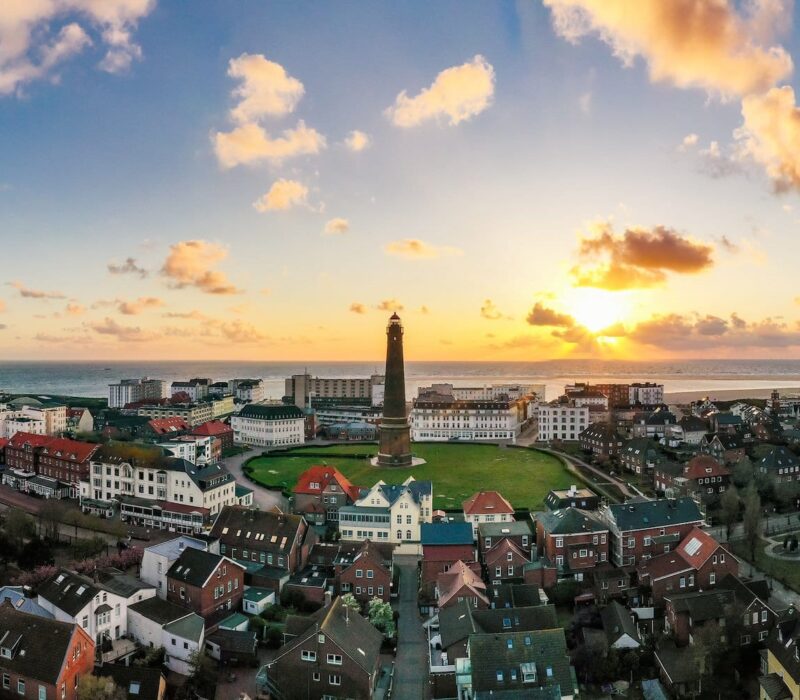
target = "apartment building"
x: 196, y: 389
x: 442, y: 418
x: 132, y: 390
x: 193, y: 413
x: 34, y: 419
x: 562, y: 420
x: 303, y: 390
x: 269, y: 425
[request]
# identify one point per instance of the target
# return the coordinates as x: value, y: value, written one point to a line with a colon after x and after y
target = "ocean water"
x: 91, y: 379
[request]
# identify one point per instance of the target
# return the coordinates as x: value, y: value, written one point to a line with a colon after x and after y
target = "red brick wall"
x: 547, y: 546
x: 202, y: 600
x: 381, y: 578
x: 439, y: 558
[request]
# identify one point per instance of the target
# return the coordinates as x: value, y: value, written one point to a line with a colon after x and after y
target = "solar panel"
x: 693, y: 546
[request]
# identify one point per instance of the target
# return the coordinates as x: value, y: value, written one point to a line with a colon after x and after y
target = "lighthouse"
x: 395, y: 433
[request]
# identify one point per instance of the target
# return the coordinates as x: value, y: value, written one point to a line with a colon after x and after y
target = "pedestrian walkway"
x: 411, y: 668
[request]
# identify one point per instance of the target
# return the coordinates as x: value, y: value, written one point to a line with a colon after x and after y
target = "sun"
x: 597, y: 309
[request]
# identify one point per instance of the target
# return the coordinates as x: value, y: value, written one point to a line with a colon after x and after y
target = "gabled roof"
x: 38, y: 645
x: 456, y: 578
x: 212, y: 427
x: 570, y: 521
x: 16, y: 596
x: 138, y: 682
x: 514, y: 528
x: 68, y: 591
x: 70, y: 450
x: 20, y: 440
x: 237, y: 641
x: 746, y: 592
x: 657, y: 513
x: 617, y: 621
x: 262, y: 530
x: 697, y: 547
x: 446, y: 534
x: 693, y: 424
x: 168, y: 426
x: 513, y: 595
x: 501, y: 549
x: 160, y: 611
x: 195, y: 566
x: 487, y: 503
x: 322, y: 476
x: 678, y: 663
x: 703, y: 466
x: 778, y: 458
x: 701, y: 605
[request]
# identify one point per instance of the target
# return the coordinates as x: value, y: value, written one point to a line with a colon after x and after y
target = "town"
x: 200, y: 539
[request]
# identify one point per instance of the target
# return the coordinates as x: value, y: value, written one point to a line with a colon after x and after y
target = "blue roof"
x: 17, y: 597
x: 446, y: 533
x: 172, y: 549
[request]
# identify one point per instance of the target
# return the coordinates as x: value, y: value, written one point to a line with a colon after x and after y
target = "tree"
x: 743, y: 472
x: 18, y: 526
x: 349, y: 601
x: 34, y: 553
x: 50, y: 516
x: 729, y: 510
x: 751, y: 521
x: 202, y: 677
x: 99, y: 688
x: 382, y: 617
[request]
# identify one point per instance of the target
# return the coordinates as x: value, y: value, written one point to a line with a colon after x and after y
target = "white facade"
x: 485, y: 393
x: 285, y: 425
x: 129, y: 390
x: 178, y: 648
x: 562, y: 421
x: 197, y: 389
x: 647, y: 394
x: 195, y: 448
x: 157, y: 559
x: 39, y: 420
x: 302, y: 387
x: 249, y: 391
x: 466, y: 420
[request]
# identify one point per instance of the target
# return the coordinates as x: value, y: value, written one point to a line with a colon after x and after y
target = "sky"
x: 519, y: 180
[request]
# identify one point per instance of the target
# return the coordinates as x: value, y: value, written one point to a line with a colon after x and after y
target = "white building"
x: 157, y: 559
x: 158, y: 623
x: 248, y: 390
x: 196, y: 389
x: 130, y: 390
x: 485, y: 393
x: 267, y: 425
x: 134, y: 473
x: 562, y: 421
x: 467, y: 420
x: 195, y: 448
x: 303, y: 389
x: 99, y: 607
x: 38, y: 420
x: 334, y: 415
x: 389, y: 513
x: 646, y: 393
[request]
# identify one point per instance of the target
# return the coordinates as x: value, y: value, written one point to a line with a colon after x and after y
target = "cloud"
x: 389, y: 305
x: 541, y: 315
x: 193, y: 315
x: 266, y: 89
x: 240, y: 332
x: 585, y: 102
x: 129, y: 267
x: 458, y: 93
x: 638, y: 258
x: 250, y: 143
x: 336, y: 226
x: 137, y: 306
x: 38, y: 36
x: 424, y: 310
x: 413, y: 248
x: 190, y: 263
x: 29, y: 293
x: 689, y: 141
x: 2, y: 305
x: 283, y: 195
x: 128, y: 334
x: 73, y: 309
x: 358, y: 308
x: 705, y: 44
x: 490, y: 312
x: 770, y: 135
x: 357, y: 141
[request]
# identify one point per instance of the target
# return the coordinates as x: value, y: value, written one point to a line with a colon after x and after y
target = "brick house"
x: 519, y: 532
x: 208, y: 584
x: 601, y: 440
x: 779, y: 465
x: 278, y: 541
x: 335, y: 653
x: 487, y: 507
x: 458, y: 583
x: 644, y: 529
x: 505, y: 562
x: 573, y: 497
x: 41, y: 658
x: 320, y: 492
x: 751, y: 601
x: 574, y: 540
x: 685, y: 613
x: 640, y: 456
x: 726, y: 447
x: 699, y: 562
x: 22, y: 450
x: 218, y: 430
x: 366, y: 573
x: 702, y: 477
x: 443, y: 544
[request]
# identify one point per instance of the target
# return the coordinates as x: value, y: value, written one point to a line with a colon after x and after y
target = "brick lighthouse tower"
x: 395, y: 433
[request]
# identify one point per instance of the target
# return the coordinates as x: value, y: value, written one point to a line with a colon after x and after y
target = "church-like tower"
x: 395, y: 433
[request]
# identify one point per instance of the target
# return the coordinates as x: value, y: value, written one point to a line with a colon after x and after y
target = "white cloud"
x: 191, y: 263
x: 336, y: 226
x: 585, y: 102
x: 283, y: 195
x: 415, y: 249
x: 458, y: 93
x: 266, y: 88
x: 689, y: 141
x: 250, y: 143
x: 357, y: 141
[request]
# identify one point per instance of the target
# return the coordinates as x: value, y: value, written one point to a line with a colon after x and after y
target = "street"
x: 411, y: 667
x: 264, y: 498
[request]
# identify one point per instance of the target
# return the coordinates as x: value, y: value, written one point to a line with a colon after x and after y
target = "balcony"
x: 120, y: 648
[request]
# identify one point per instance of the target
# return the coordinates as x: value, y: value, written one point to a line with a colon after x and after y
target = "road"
x: 264, y: 498
x: 410, y: 680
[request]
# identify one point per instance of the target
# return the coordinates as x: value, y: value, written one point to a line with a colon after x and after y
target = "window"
x: 380, y: 590
x: 335, y: 659
x: 511, y: 570
x: 408, y: 534
x: 499, y: 676
x: 559, y: 541
x: 359, y: 573
x: 308, y: 655
x: 6, y: 681
x: 712, y: 579
x: 763, y: 616
x: 315, y: 676
x: 335, y: 679
x: 682, y: 582
x: 762, y: 635
x: 498, y: 571
x: 370, y: 573
x: 21, y: 687
x: 42, y: 693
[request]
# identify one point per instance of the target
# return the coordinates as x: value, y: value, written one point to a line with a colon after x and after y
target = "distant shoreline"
x: 681, y: 397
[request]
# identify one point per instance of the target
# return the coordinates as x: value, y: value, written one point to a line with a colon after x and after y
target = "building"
x: 574, y: 540
x: 505, y: 561
x: 702, y: 477
x: 248, y: 390
x: 99, y: 607
x: 519, y: 532
x: 573, y: 497
x: 154, y: 623
x: 137, y: 682
x: 193, y: 413
x: 461, y: 583
x: 275, y: 545
x: 268, y: 425
x: 208, y: 584
x: 517, y: 664
x: 41, y: 658
x: 233, y: 647
x: 601, y: 440
x: 484, y: 393
x: 193, y: 448
x: 335, y: 653
x: 388, y: 512
x: 562, y: 420
x: 366, y: 572
x: 32, y: 416
x: 148, y: 484
x: 158, y: 558
x: 167, y: 427
x: 79, y: 420
x: 689, y: 429
x: 619, y: 627
x: 196, y: 389
x: 697, y: 563
x: 128, y: 391
x: 779, y: 466
x: 320, y: 492
x: 395, y: 433
x: 751, y: 601
x: 449, y: 419
x: 644, y: 528
x: 305, y: 391
x: 443, y: 544
x: 487, y: 507
x: 217, y: 430
x: 640, y: 456
x: 645, y: 394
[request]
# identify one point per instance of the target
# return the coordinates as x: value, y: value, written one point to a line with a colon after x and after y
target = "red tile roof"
x: 167, y: 426
x: 3, y: 443
x: 457, y: 578
x: 704, y: 466
x: 322, y: 476
x: 486, y: 503
x: 694, y: 551
x: 213, y: 427
x: 19, y: 440
x: 70, y: 450
x: 76, y: 412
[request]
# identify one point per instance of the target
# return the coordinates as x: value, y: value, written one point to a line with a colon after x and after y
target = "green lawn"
x: 785, y: 571
x: 523, y: 476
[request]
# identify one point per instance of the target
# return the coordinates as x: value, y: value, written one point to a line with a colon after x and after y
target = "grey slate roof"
x: 779, y: 458
x: 68, y: 591
x: 513, y: 595
x: 189, y: 627
x: 194, y: 566
x: 270, y: 411
x: 513, y: 528
x: 22, y: 603
x: 457, y: 622
x: 569, y: 521
x: 236, y: 641
x: 617, y: 621
x: 158, y: 610
x: 657, y: 513
x: 138, y: 682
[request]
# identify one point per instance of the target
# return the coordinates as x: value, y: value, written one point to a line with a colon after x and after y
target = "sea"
x: 91, y: 379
